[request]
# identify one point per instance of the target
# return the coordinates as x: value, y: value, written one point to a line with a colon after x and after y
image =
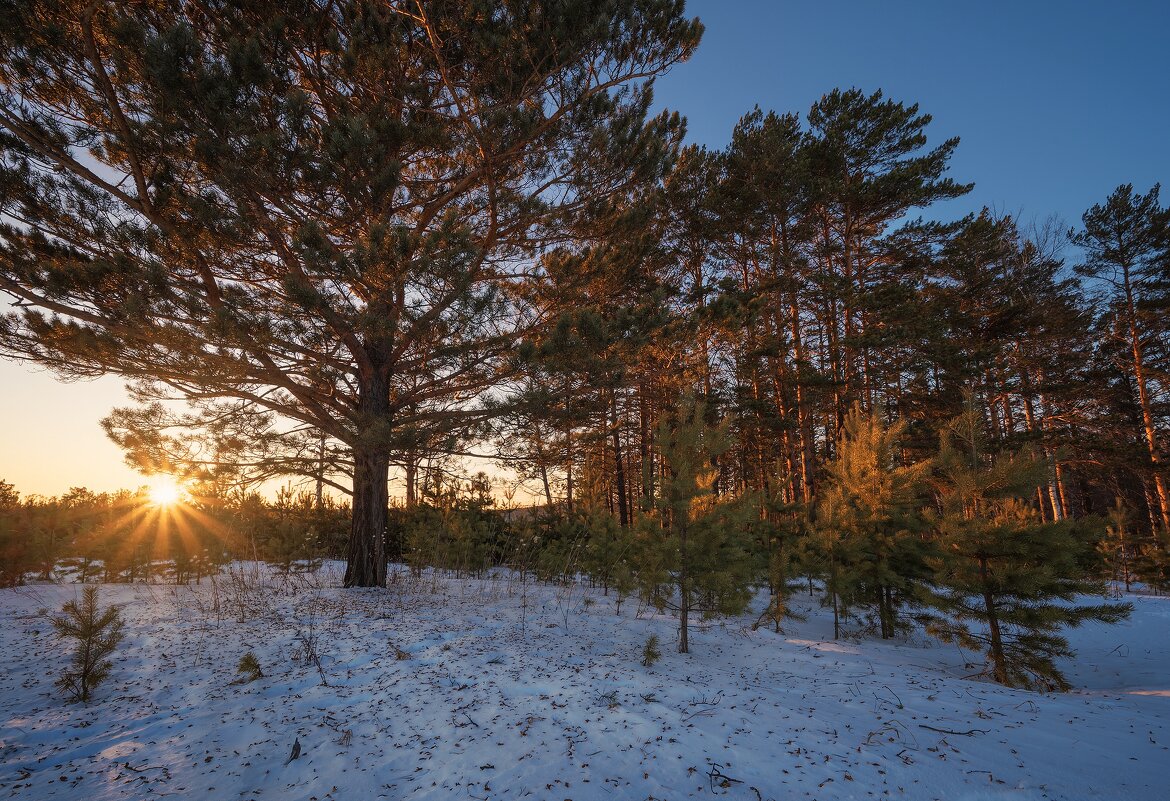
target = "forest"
x: 370, y: 246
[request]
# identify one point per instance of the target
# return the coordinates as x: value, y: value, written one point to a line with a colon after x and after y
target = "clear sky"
x: 1056, y: 102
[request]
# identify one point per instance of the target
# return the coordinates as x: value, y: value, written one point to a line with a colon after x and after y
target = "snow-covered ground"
x: 464, y: 689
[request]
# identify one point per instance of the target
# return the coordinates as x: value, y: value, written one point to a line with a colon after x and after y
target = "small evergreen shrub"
x: 650, y: 651
x: 97, y: 632
x: 248, y: 669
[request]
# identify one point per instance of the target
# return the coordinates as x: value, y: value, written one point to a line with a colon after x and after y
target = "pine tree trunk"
x: 684, y: 592
x: 366, y: 559
x: 803, y: 419
x: 568, y: 463
x: 645, y: 454
x: 1144, y: 401
x: 366, y: 552
x: 548, y: 498
x: 836, y: 618
x: 1060, y: 490
x: 836, y: 606
x: 631, y: 501
x: 1160, y: 489
x: 411, y: 480
x: 886, y: 609
x: 320, y: 493
x: 998, y: 658
x: 618, y: 462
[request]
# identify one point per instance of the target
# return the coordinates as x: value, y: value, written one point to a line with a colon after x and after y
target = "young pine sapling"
x: 97, y: 632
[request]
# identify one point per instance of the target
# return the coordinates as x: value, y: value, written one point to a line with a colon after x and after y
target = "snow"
x: 445, y: 688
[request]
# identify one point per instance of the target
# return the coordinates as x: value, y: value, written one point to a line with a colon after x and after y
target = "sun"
x: 165, y: 491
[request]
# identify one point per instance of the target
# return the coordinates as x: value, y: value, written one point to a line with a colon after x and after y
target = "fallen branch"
x: 715, y: 774
x: 707, y: 704
x: 968, y: 733
x: 144, y: 767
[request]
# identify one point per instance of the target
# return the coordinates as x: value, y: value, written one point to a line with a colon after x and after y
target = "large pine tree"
x: 1127, y: 255
x: 324, y: 211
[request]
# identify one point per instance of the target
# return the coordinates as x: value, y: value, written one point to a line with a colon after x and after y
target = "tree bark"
x: 618, y: 461
x: 411, y: 480
x: 568, y: 450
x: 1139, y: 372
x: 803, y: 421
x: 647, y: 458
x: 366, y: 559
x: 684, y: 593
x: 998, y: 657
x: 548, y: 498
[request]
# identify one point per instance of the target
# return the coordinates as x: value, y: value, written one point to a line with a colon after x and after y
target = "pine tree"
x: 571, y: 373
x: 248, y: 669
x: 762, y: 227
x: 781, y: 541
x: 830, y: 555
x: 608, y: 551
x: 693, y: 557
x: 326, y: 215
x: 287, y: 538
x: 869, y: 168
x: 870, y: 522
x: 1005, y: 582
x: 13, y: 556
x: 1117, y: 548
x: 1010, y: 326
x: 1152, y: 562
x: 1127, y: 247
x: 97, y: 632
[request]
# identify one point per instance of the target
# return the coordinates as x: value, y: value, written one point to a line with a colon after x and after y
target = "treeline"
x: 953, y: 542
x: 124, y: 536
x: 788, y: 278
x: 396, y: 267
x: 789, y: 286
x: 764, y: 367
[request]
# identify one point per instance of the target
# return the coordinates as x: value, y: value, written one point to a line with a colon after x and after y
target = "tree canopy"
x: 315, y: 219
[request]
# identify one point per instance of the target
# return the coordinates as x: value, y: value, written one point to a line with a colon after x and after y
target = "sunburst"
x: 165, y: 491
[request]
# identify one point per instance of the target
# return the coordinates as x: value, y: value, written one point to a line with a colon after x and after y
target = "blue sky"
x: 1056, y: 104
